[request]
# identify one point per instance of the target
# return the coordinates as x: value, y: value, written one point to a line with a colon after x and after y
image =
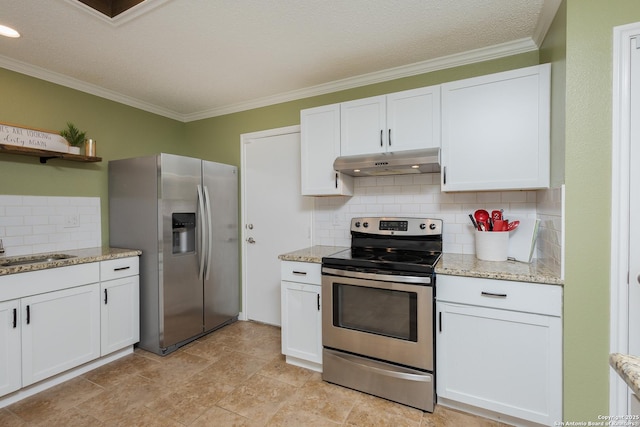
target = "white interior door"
x: 276, y: 218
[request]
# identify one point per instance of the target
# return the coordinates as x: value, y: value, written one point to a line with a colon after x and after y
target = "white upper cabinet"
x: 320, y: 145
x: 363, y: 125
x: 413, y: 119
x: 495, y: 131
x: 400, y: 121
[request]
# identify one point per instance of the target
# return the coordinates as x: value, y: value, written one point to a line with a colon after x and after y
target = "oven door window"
x: 386, y: 312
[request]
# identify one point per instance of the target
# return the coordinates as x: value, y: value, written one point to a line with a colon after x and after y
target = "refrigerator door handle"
x: 209, y: 239
x: 203, y: 227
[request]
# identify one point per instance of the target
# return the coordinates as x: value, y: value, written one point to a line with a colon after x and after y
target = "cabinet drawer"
x: 303, y: 272
x: 117, y: 268
x: 503, y: 294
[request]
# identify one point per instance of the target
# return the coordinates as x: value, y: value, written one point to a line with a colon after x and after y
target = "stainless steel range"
x: 377, y: 311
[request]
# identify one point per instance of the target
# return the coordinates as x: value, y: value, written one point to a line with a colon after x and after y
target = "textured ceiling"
x: 190, y: 59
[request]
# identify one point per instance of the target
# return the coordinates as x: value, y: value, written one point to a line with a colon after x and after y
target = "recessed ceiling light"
x: 8, y: 32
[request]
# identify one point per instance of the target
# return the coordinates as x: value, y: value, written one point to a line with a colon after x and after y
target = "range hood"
x: 400, y: 163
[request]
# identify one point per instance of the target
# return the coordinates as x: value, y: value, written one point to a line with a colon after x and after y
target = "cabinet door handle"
x: 15, y: 318
x: 336, y: 179
x: 318, y: 302
x: 492, y: 295
x: 28, y: 315
x: 389, y: 137
x: 381, y: 132
x: 439, y: 321
x: 106, y: 297
x: 300, y: 273
x: 121, y: 268
x: 444, y: 175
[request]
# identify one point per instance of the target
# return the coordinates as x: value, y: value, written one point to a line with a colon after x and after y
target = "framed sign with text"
x: 32, y: 138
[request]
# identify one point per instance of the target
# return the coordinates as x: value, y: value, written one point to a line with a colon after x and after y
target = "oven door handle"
x: 377, y: 276
x: 394, y: 374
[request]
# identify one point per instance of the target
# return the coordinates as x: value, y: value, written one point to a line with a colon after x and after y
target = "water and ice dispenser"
x: 184, y: 232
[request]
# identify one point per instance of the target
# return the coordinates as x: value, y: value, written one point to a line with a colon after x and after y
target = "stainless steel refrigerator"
x: 182, y: 213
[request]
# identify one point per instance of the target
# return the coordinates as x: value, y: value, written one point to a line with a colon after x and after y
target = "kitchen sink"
x: 34, y: 259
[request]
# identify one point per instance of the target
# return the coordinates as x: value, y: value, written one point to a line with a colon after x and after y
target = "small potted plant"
x: 74, y: 137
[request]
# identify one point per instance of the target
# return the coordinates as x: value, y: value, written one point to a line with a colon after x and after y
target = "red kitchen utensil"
x: 496, y: 215
x: 513, y: 225
x: 500, y: 225
x: 481, y: 216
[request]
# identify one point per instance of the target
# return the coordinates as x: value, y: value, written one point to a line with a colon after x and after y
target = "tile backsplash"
x: 420, y: 196
x: 35, y: 224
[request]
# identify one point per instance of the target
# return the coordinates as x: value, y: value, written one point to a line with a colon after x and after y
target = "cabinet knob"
x: 251, y: 240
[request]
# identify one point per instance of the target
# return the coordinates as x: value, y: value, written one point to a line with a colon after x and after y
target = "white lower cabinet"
x: 54, y: 320
x: 301, y: 314
x: 120, y: 304
x: 60, y: 330
x: 10, y: 352
x: 499, y: 347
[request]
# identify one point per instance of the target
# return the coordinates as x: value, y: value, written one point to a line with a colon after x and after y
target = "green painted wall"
x: 589, y: 32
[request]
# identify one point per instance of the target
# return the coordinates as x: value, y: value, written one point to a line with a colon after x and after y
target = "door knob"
x: 251, y: 240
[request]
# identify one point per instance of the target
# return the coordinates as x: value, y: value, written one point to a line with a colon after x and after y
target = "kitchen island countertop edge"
x: 628, y: 367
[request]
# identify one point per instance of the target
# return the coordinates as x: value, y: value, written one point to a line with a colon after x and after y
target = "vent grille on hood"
x: 399, y: 163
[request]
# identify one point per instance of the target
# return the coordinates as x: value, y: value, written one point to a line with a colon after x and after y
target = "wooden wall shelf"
x: 46, y: 155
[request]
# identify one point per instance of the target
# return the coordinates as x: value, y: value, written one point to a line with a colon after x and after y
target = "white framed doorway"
x: 276, y: 218
x: 625, y: 205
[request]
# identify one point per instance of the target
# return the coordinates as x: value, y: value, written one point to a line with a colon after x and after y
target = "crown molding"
x: 62, y: 80
x: 547, y: 14
x: 450, y: 61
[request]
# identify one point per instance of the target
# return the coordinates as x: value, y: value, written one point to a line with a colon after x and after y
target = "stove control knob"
x: 432, y: 226
x: 365, y: 225
x: 423, y: 226
x: 357, y: 224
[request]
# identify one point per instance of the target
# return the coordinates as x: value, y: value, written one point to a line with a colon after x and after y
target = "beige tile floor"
x: 235, y: 376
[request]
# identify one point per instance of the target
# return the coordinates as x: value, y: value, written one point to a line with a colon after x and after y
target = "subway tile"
x: 36, y: 220
x: 10, y: 221
x: 18, y: 211
x: 12, y: 231
x: 10, y: 200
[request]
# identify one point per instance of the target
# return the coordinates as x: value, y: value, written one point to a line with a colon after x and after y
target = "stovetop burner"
x: 419, y: 262
x: 395, y: 245
x: 392, y: 257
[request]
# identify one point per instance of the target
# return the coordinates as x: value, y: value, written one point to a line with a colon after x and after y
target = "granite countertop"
x: 82, y: 256
x: 456, y: 265
x: 628, y: 367
x: 312, y: 254
x: 470, y: 266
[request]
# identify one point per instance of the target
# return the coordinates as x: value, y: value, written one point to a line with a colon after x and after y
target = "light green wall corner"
x: 554, y: 51
x: 588, y: 198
